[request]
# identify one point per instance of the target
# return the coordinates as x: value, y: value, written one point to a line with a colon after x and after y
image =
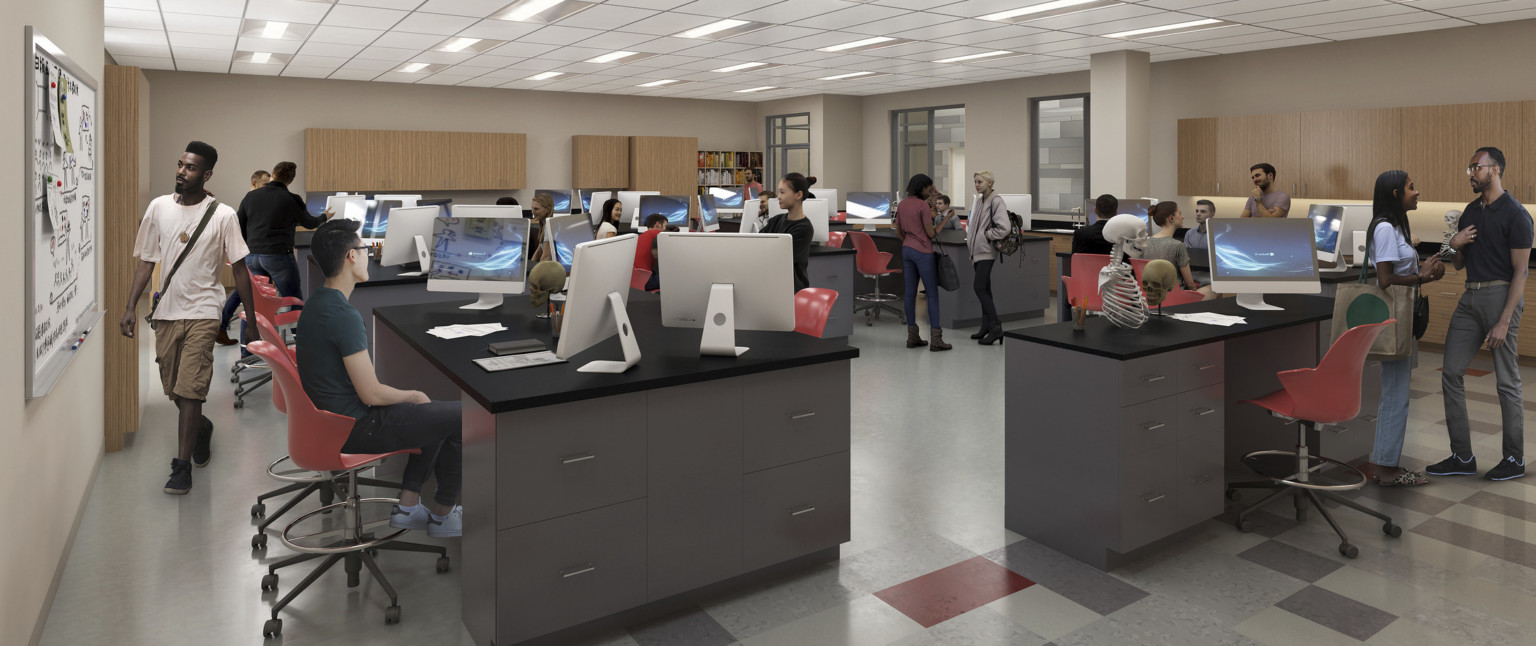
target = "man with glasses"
x: 1493, y: 244
x: 1266, y: 200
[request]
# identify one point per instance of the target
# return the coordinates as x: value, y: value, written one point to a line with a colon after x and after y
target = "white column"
x: 1120, y: 124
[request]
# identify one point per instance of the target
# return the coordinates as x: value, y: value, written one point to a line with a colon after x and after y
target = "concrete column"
x: 1119, y: 124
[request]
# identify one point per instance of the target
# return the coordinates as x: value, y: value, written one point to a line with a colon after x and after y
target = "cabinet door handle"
x: 800, y: 416
x: 580, y: 457
x: 1447, y: 294
x: 1205, y: 367
x: 1218, y: 187
x: 1202, y: 412
x: 1153, y: 426
x: 1202, y: 478
x: 799, y: 511
x: 1156, y: 498
x: 1154, y: 378
x: 578, y: 570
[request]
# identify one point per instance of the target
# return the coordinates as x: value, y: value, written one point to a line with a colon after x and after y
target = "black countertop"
x: 824, y: 250
x: 1164, y: 334
x: 947, y: 236
x: 1325, y: 277
x: 380, y: 276
x: 669, y: 356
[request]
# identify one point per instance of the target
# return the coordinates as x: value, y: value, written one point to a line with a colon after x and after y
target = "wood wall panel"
x: 1342, y: 151
x: 1248, y: 140
x: 412, y: 160
x: 599, y: 161
x: 120, y: 200
x: 666, y: 164
x: 1438, y: 141
x: 1197, y: 156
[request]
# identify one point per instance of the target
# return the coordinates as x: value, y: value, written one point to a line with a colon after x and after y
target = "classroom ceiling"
x: 754, y: 50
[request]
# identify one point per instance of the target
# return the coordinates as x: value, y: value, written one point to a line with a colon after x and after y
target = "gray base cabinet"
x: 1020, y: 285
x: 835, y: 271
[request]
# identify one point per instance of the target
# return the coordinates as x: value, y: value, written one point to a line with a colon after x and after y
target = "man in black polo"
x: 1493, y: 243
x: 268, y: 216
x: 1090, y: 239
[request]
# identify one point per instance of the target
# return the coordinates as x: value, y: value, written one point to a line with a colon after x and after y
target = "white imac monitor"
x: 1251, y: 257
x: 403, y: 199
x: 376, y: 217
x: 1020, y: 205
x: 817, y: 212
x: 479, y: 255
x: 342, y: 206
x: 1356, y: 218
x: 869, y: 209
x: 631, y: 202
x: 728, y: 200
x: 562, y: 200
x: 709, y: 213
x: 593, y: 203
x: 1327, y: 220
x: 675, y: 207
x: 830, y: 195
x: 484, y: 211
x: 597, y: 294
x: 567, y: 231
x: 726, y: 283
x: 406, y: 238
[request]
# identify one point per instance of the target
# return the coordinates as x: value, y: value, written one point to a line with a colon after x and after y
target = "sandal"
x: 1405, y: 478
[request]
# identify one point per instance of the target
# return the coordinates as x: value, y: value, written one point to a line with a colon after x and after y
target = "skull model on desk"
x: 1124, y: 304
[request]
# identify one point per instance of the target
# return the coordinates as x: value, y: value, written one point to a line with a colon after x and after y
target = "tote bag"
x: 949, y: 279
x: 1362, y: 303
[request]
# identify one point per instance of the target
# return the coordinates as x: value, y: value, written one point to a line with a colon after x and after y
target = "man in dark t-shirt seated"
x: 338, y: 376
x: 1090, y: 239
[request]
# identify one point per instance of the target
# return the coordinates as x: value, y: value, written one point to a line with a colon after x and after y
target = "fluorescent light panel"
x: 743, y: 66
x: 859, y: 43
x: 274, y: 29
x: 658, y: 83
x: 758, y: 89
x: 722, y: 29
x: 612, y: 56
x: 540, y: 11
x: 840, y: 77
x: 973, y: 57
x: 1049, y: 10
x: 261, y: 57
x: 458, y: 44
x: 1193, y: 25
x: 544, y: 76
x: 412, y: 68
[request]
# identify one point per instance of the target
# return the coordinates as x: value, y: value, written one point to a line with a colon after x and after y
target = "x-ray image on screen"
x: 1258, y: 249
x: 675, y: 207
x: 478, y: 249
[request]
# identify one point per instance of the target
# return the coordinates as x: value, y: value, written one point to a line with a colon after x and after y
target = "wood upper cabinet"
x: 1197, y: 156
x: 1342, y: 152
x: 599, y: 161
x: 1438, y: 141
x: 666, y: 164
x: 1525, y: 176
x: 406, y: 160
x: 1248, y: 140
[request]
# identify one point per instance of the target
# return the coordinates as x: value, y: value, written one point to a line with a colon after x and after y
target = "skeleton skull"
x: 1158, y: 278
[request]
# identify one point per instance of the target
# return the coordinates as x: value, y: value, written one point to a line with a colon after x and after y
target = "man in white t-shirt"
x: 186, y: 320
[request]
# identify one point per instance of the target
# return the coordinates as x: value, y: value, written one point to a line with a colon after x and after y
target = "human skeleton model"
x: 1124, y: 304
x: 1452, y: 218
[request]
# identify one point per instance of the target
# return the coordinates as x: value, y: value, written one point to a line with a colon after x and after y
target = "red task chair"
x: 639, y: 278
x: 835, y: 238
x: 1327, y: 394
x: 1181, y: 297
x: 269, y: 304
x: 813, y: 305
x: 873, y: 263
x: 315, y: 439
x: 1083, y: 285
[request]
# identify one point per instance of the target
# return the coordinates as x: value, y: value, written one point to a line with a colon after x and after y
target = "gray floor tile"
x: 746, y: 613
x: 691, y: 627
x: 1291, y: 561
x: 1471, y: 625
x: 1420, y: 499
x: 979, y: 627
x: 1338, y: 612
x: 1069, y: 578
x: 1477, y: 540
x: 1157, y: 621
x: 1227, y: 588
x: 1502, y: 504
x: 904, y: 560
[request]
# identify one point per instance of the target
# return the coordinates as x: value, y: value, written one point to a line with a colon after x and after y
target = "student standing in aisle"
x: 258, y: 179
x: 339, y: 378
x: 196, y: 235
x: 754, y: 183
x: 268, y: 215
x: 793, y: 191
x: 613, y: 211
x: 989, y: 222
x: 1090, y: 239
x: 914, y: 225
x: 1397, y: 263
x: 1493, y: 243
x: 1266, y: 200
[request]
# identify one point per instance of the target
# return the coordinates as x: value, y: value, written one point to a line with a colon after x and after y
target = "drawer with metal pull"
x: 1149, y: 378
x: 1200, y: 366
x: 567, y: 458
x: 1144, y: 427
x: 1201, y: 411
x: 795, y: 509
x: 1148, y: 497
x: 794, y: 415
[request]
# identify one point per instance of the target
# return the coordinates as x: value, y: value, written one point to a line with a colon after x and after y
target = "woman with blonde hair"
x: 988, y: 223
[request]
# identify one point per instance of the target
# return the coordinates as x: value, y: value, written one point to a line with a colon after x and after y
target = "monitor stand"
x: 626, y: 341
x: 868, y: 227
x: 1255, y: 302
x: 720, y: 323
x: 422, y: 257
x: 486, y: 302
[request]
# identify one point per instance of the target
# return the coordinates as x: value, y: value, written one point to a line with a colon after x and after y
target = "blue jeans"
x: 1392, y: 414
x: 282, y: 268
x: 916, y: 264
x: 231, y: 305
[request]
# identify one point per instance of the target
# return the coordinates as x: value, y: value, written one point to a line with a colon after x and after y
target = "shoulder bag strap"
x: 165, y: 283
x: 1370, y: 236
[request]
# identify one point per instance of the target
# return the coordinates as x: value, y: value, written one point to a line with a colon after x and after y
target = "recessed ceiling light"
x: 658, y: 83
x: 1207, y: 23
x: 737, y: 68
x: 611, y: 57
x: 758, y: 89
x: 544, y: 76
x: 858, y: 43
x: 261, y: 57
x: 699, y: 32
x: 844, y: 76
x: 274, y: 29
x: 412, y: 68
x: 458, y: 44
x: 973, y: 57
x: 540, y: 11
x: 1049, y: 10
x: 526, y: 9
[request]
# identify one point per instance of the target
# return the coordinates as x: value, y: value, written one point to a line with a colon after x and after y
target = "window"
x: 789, y: 147
x: 931, y: 141
x: 1059, y: 131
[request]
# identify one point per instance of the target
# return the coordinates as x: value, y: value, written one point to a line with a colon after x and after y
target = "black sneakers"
x: 181, y: 477
x: 1509, y: 469
x: 1453, y: 466
x: 202, y: 450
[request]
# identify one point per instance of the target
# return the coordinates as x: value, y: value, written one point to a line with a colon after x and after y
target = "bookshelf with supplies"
x: 727, y: 169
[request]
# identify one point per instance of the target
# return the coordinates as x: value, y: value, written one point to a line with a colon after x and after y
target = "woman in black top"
x: 794, y: 189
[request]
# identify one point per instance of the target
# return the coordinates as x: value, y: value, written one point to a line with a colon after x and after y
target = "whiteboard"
x: 62, y: 211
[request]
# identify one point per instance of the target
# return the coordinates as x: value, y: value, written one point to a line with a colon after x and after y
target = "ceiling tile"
x: 343, y: 35
x: 330, y: 49
x: 499, y: 30
x: 408, y: 40
x: 354, y: 75
x: 226, y: 8
x: 1370, y: 23
x: 1344, y: 16
x: 1083, y: 19
x: 606, y: 17
x: 202, y: 54
x: 443, y: 79
x: 146, y: 51
x: 308, y: 13
x: 385, y: 4
x: 716, y: 49
x: 1271, y: 44
x: 449, y: 58
x: 215, y: 67
x: 202, y: 24
x: 618, y: 40
x: 269, y: 45
x: 393, y: 54
x: 306, y: 71
x: 434, y: 23
x: 400, y: 77
x: 1265, y: 15
x: 363, y: 17
x: 1522, y: 14
x: 854, y: 15
x: 665, y: 44
x: 147, y: 5
x: 583, y: 68
x: 519, y: 50
x: 721, y: 8
x: 118, y: 35
x: 557, y: 35
x: 659, y: 5
x: 667, y: 24
x: 1443, y: 23
x: 207, y: 41
x: 573, y: 54
x: 370, y: 65
x: 473, y: 8
x: 132, y: 18
x: 483, y: 82
x: 256, y: 69
x: 308, y: 60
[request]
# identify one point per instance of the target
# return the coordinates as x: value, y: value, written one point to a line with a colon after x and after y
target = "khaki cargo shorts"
x: 184, y: 350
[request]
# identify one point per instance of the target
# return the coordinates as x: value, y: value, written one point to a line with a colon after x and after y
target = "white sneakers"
x: 451, y: 526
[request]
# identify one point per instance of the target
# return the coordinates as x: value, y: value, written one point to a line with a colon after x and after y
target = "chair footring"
x: 402, y: 546
x: 1314, y: 463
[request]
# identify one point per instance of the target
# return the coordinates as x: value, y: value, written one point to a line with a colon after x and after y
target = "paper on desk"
x: 514, y: 361
x: 1209, y: 318
x: 461, y: 331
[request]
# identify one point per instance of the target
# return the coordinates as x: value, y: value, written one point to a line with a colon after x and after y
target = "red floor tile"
x: 1474, y: 372
x: 939, y: 596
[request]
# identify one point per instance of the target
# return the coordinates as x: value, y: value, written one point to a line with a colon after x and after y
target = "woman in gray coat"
x: 988, y: 222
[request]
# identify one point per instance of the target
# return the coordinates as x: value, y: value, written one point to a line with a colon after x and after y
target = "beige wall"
x: 257, y: 121
x: 837, y: 152
x: 52, y: 445
x: 1118, y: 140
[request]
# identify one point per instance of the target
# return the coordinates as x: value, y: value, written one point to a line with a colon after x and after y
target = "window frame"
x: 777, y: 154
x: 898, y: 182
x: 1034, y: 147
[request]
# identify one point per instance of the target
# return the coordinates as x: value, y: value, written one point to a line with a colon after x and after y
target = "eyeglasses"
x: 1473, y: 168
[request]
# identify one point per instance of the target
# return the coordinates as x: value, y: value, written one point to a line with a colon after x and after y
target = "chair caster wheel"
x: 1392, y: 530
x: 442, y: 565
x: 239, y: 404
x: 269, y: 582
x: 392, y: 615
x: 1232, y: 495
x: 258, y: 510
x: 1349, y: 551
x: 1244, y: 525
x: 259, y: 542
x: 273, y: 628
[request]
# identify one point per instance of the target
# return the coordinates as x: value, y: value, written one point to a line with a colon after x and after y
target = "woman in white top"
x: 612, y: 211
x: 1397, y: 263
x: 988, y: 223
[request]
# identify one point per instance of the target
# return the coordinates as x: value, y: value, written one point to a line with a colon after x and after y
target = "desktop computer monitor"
x: 585, y: 195
x: 481, y: 255
x: 562, y: 200
x: 409, y: 239
x: 1355, y: 219
x: 567, y: 231
x: 726, y: 283
x: 376, y: 222
x: 709, y: 213
x: 830, y: 195
x: 675, y: 207
x: 817, y: 211
x: 752, y: 193
x: 350, y: 207
x: 442, y: 204
x: 1251, y: 257
x: 1019, y: 204
x: 726, y: 199
x: 597, y: 292
x: 595, y: 201
x: 869, y: 209
x: 1326, y: 222
x: 631, y: 202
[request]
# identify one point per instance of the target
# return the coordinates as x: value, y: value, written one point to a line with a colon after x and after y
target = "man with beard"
x: 196, y: 235
x: 1493, y: 243
x: 1266, y: 200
